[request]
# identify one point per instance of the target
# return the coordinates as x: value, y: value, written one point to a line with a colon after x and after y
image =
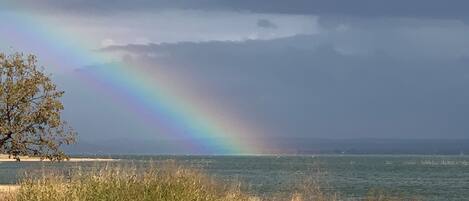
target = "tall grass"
x: 166, y: 183
x: 169, y: 182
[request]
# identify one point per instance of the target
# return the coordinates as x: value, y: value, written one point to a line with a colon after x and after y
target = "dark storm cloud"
x: 371, y: 68
x: 452, y: 9
x: 266, y: 24
x: 300, y: 87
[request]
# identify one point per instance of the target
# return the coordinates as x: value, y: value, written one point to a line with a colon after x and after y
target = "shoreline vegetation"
x: 166, y: 181
x: 6, y: 158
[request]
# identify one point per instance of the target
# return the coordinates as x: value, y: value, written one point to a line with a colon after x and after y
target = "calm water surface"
x: 429, y: 177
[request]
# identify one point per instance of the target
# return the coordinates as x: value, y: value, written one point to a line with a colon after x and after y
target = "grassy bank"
x: 168, y: 182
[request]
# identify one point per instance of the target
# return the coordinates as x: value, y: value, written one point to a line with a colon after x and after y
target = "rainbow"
x: 160, y: 99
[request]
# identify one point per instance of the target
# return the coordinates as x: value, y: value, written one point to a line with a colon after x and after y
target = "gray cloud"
x: 266, y: 24
x: 186, y: 25
x: 300, y: 87
x: 404, y: 39
x: 454, y: 9
x: 368, y: 68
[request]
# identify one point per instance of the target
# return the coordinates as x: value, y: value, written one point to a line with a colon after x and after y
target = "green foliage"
x: 30, y: 109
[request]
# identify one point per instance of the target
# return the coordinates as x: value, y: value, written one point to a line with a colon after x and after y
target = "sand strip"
x: 5, y: 158
x: 8, y: 188
x: 71, y: 160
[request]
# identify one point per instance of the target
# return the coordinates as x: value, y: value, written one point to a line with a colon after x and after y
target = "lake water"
x: 428, y: 177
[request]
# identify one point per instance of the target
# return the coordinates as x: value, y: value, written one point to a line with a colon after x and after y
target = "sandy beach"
x: 8, y: 188
x: 5, y: 158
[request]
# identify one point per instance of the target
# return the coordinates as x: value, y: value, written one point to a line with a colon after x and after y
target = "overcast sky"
x: 301, y: 68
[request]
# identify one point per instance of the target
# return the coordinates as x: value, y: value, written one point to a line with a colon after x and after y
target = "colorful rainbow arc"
x: 156, y: 98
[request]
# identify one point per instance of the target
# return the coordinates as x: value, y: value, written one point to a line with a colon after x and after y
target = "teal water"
x: 353, y: 176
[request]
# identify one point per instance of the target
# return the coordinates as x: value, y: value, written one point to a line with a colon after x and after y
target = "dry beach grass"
x: 169, y: 182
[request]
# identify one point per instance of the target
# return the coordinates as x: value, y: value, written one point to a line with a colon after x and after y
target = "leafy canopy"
x: 30, y: 108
